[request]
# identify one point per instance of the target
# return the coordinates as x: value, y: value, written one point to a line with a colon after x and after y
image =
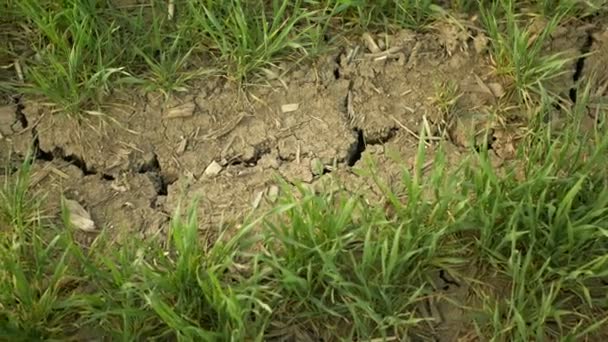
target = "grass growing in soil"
x: 531, y: 241
x: 520, y: 53
x: 75, y: 53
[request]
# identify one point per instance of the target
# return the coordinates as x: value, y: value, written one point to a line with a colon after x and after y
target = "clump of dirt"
x: 124, y: 205
x: 224, y: 200
x: 397, y: 89
x: 16, y: 136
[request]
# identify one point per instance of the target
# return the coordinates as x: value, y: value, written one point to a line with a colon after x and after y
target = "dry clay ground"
x: 131, y: 167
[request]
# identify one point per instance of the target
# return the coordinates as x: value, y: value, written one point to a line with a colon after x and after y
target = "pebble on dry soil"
x: 213, y: 169
x: 295, y: 172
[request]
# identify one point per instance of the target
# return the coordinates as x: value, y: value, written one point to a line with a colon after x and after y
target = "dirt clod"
x: 8, y: 119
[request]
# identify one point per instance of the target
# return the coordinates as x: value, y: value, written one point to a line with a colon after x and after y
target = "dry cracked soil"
x: 228, y: 147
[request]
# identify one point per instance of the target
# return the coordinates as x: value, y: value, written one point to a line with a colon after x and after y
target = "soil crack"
x: 382, y: 138
x: 579, y: 66
x: 356, y: 149
x: 21, y: 118
x: 153, y: 169
x: 338, y: 62
x: 59, y: 153
x: 443, y: 275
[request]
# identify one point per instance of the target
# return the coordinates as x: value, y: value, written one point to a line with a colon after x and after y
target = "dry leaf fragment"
x: 79, y: 216
x: 257, y: 199
x: 273, y: 193
x: 291, y: 107
x: 483, y: 86
x: 497, y: 90
x: 370, y: 43
x: 270, y: 74
x: 181, y: 148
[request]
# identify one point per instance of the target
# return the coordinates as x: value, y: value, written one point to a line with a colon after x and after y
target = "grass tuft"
x: 519, y: 53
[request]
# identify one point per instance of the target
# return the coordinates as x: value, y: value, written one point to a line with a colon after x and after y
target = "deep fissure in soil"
x: 356, y: 150
x: 579, y: 66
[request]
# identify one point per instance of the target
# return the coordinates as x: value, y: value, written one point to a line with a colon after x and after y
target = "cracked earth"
x: 131, y: 165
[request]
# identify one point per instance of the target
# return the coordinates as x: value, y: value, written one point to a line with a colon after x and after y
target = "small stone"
x: 295, y: 172
x: 291, y: 107
x: 213, y: 169
x: 268, y: 161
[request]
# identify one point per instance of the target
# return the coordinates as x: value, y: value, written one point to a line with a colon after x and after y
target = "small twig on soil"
x: 298, y: 151
x: 18, y: 70
x: 352, y: 54
x: 131, y: 146
x: 427, y: 128
x: 223, y: 131
x: 29, y: 127
x: 170, y: 9
x: 59, y: 173
x: 386, y: 339
x: 320, y: 120
x: 350, y: 111
x: 409, y: 131
x: 228, y: 145
x: 385, y: 54
x: 407, y: 92
x: 370, y: 43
